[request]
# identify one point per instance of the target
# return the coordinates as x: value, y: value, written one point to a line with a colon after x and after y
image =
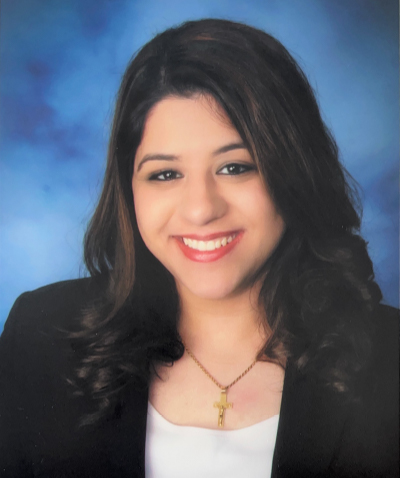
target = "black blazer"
x: 319, y: 434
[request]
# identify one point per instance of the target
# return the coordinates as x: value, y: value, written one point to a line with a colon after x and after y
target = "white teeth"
x: 208, y: 245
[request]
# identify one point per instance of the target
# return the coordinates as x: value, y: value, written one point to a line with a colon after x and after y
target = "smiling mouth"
x: 209, y: 245
x: 210, y: 248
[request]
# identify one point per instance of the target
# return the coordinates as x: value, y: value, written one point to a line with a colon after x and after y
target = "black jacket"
x: 319, y: 433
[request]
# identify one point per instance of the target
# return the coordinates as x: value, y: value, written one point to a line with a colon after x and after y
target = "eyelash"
x: 234, y: 169
x: 167, y: 175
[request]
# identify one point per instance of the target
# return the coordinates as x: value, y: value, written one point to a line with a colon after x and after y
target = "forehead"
x: 177, y: 124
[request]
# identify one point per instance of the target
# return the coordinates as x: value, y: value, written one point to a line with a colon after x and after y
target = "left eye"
x: 235, y: 169
x: 167, y: 175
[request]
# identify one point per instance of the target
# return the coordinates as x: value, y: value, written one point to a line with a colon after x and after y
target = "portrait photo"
x: 199, y: 261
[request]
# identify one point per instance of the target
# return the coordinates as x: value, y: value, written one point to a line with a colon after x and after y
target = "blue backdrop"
x: 61, y: 62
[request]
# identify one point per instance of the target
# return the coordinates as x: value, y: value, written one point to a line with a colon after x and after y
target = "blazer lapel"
x: 126, y: 435
x: 311, y: 423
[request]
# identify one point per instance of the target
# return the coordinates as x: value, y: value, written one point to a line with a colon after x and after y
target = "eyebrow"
x: 155, y: 157
x: 172, y: 157
x: 229, y: 147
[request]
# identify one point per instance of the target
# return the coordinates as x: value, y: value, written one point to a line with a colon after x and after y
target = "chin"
x: 213, y: 291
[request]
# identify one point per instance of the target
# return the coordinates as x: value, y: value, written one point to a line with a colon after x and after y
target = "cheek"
x: 265, y: 217
x: 151, y: 214
x: 145, y: 216
x: 257, y: 204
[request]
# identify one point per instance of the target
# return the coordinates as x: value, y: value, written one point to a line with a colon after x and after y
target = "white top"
x: 174, y: 451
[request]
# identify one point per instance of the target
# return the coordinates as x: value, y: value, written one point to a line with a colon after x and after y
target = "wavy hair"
x: 318, y: 286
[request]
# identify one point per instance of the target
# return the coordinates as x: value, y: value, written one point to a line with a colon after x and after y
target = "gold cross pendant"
x: 222, y: 405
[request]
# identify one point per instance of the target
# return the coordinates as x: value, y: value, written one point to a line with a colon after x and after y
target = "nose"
x: 202, y: 202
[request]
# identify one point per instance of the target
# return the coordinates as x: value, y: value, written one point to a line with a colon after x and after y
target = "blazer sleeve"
x: 38, y: 410
x: 370, y: 442
x: 13, y: 371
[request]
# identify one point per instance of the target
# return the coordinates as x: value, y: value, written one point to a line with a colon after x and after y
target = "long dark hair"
x: 318, y: 289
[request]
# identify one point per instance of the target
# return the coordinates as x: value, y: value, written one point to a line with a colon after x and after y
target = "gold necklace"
x: 223, y: 404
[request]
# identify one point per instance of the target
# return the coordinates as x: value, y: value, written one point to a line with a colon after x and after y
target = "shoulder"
x: 385, y: 340
x: 35, y: 344
x: 37, y: 326
x: 387, y: 315
x: 36, y: 333
x: 371, y: 436
x: 71, y: 293
x: 37, y: 405
x: 54, y: 305
x: 383, y: 370
x: 382, y: 383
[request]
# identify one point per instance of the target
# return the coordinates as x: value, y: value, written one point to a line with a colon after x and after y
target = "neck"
x: 222, y: 330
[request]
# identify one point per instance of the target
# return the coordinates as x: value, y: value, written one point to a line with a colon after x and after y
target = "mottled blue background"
x: 61, y: 64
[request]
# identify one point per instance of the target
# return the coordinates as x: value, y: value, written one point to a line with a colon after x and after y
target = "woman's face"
x: 201, y: 206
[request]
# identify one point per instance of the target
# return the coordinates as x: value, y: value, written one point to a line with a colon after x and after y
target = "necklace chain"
x: 222, y: 387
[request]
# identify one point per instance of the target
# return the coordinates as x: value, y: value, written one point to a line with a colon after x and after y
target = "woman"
x: 231, y: 322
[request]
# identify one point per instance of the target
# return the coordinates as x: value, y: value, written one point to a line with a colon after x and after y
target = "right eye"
x: 167, y: 175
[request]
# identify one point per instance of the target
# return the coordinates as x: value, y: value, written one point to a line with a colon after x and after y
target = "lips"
x: 208, y: 248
